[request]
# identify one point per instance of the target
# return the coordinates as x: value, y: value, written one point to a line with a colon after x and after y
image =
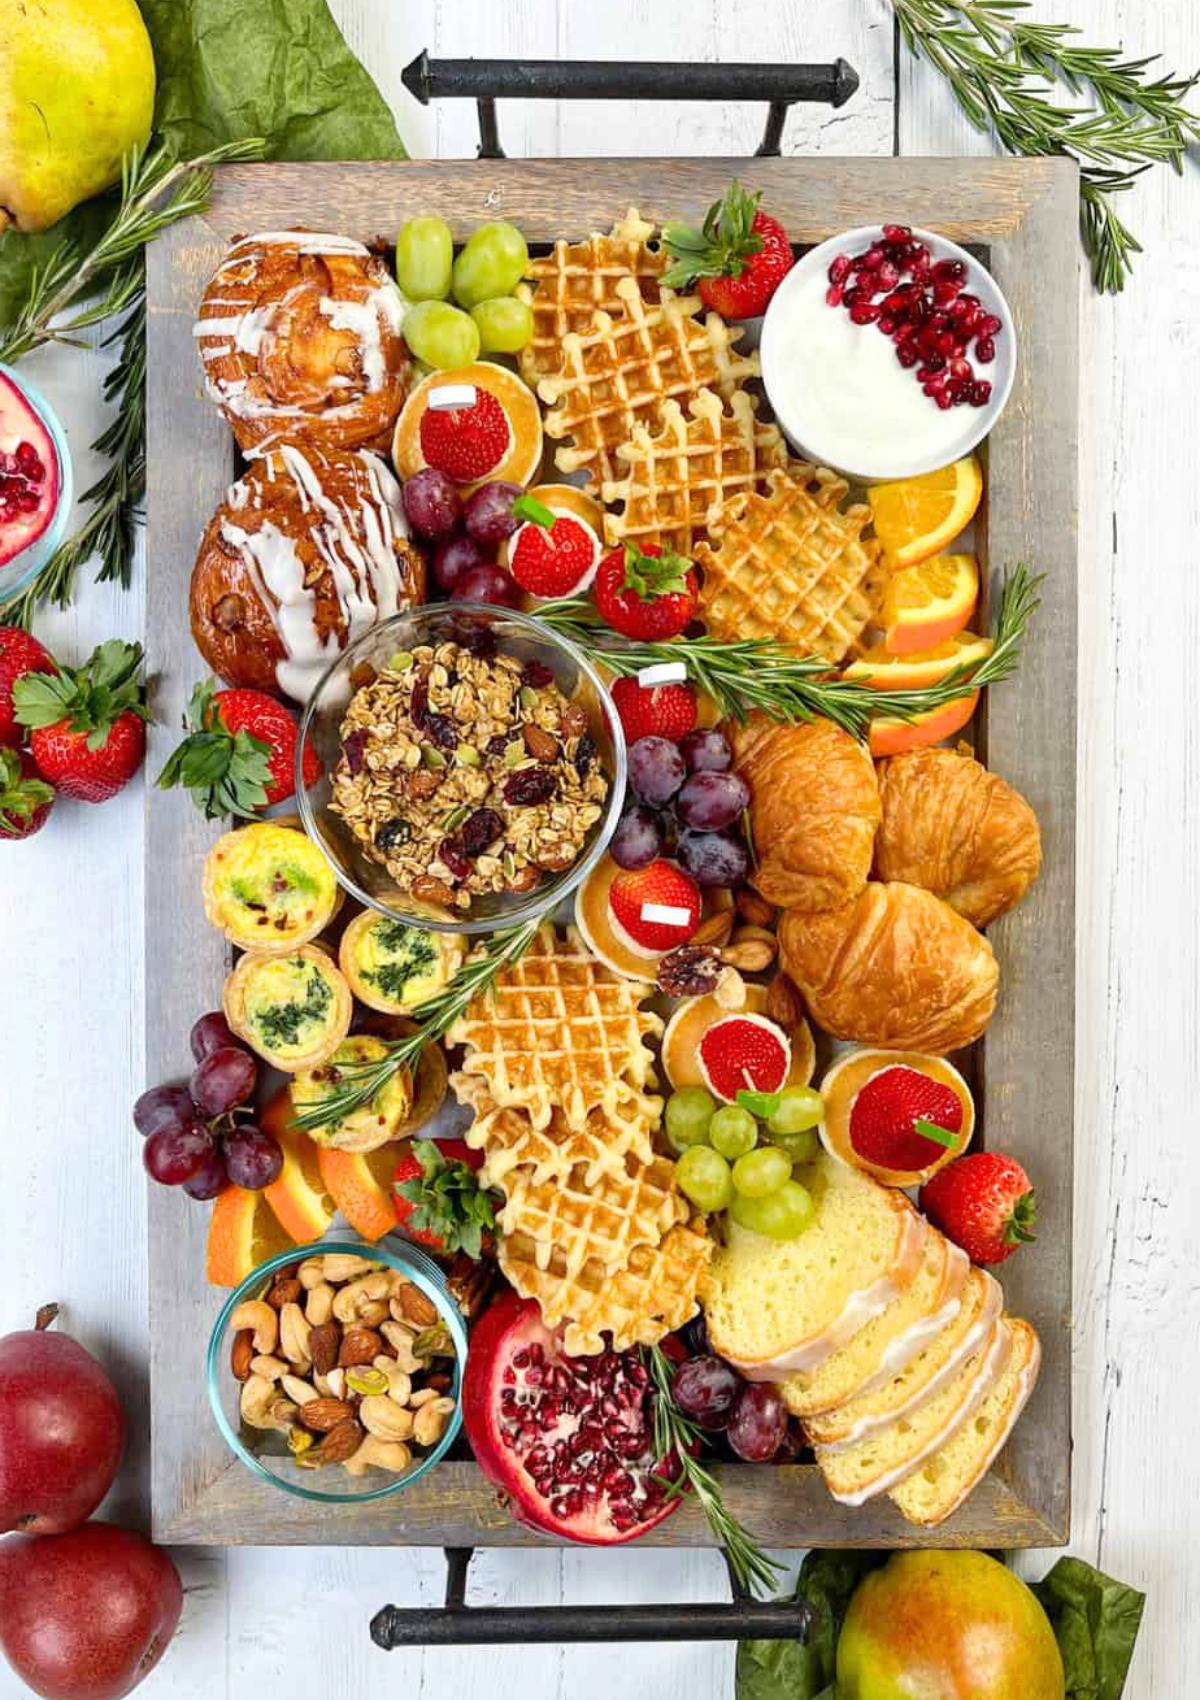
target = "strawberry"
x: 660, y: 711
x: 466, y: 442
x: 647, y: 594
x: 239, y: 755
x: 984, y: 1203
x: 89, y: 735
x: 25, y: 798
x: 660, y: 883
x: 557, y: 558
x: 901, y: 1116
x: 738, y: 259
x: 20, y: 653
x: 439, y: 1202
x: 743, y: 1053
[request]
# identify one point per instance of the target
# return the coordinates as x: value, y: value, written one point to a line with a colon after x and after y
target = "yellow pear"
x: 76, y: 91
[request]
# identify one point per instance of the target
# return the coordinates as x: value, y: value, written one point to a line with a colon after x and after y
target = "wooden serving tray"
x: 1022, y: 215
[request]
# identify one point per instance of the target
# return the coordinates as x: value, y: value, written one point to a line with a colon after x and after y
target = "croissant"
x: 305, y: 553
x: 299, y: 333
x: 958, y: 830
x: 894, y: 967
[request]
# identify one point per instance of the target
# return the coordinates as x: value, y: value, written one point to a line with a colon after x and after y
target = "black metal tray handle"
x: 485, y: 81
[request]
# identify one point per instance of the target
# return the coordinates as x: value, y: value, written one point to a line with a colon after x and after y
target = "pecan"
x: 321, y: 1415
x: 753, y: 908
x: 542, y: 746
x: 324, y: 1343
x: 714, y: 929
x: 784, y: 1003
x: 242, y: 1353
x: 413, y: 1306
x: 284, y: 1293
x: 690, y: 971
x: 359, y: 1346
x: 341, y: 1442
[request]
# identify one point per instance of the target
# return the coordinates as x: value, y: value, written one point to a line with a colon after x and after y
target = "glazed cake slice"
x: 935, y: 1363
x: 854, y: 1474
x: 888, y: 1344
x: 944, y: 1480
x: 774, y: 1307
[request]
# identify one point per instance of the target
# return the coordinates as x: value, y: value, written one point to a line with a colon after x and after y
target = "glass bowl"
x: 522, y: 635
x: 265, y: 1451
x: 20, y: 572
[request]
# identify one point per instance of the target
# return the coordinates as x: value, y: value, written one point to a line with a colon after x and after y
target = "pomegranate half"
x: 570, y: 1441
x: 30, y: 475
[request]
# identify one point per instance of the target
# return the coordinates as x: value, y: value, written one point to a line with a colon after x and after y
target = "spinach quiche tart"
x: 386, y: 1117
x: 268, y: 888
x: 293, y: 1009
x: 393, y: 967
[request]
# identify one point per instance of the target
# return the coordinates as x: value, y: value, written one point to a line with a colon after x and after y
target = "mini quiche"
x: 373, y: 1124
x: 268, y: 887
x: 294, y: 1010
x: 392, y: 967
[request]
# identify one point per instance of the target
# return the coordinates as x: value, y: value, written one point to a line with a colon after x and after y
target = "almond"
x: 323, y: 1415
x: 784, y: 1003
x: 359, y: 1346
x: 753, y: 908
x: 414, y: 1307
x: 715, y: 930
x: 287, y: 1292
x: 324, y: 1344
x: 751, y: 950
x: 341, y: 1442
x: 542, y: 746
x: 241, y: 1354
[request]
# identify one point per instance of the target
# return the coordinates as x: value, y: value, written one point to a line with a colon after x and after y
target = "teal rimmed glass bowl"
x: 16, y: 575
x: 265, y: 1451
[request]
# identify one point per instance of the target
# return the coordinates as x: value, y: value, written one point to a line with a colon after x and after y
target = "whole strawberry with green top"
x: 737, y: 260
x: 25, y: 798
x: 239, y: 755
x: 439, y: 1201
x: 87, y: 723
x: 984, y: 1203
x: 648, y: 594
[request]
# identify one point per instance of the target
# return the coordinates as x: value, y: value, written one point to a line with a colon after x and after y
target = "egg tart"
x: 294, y: 1010
x: 268, y: 888
x: 372, y: 1124
x: 495, y: 432
x: 392, y: 967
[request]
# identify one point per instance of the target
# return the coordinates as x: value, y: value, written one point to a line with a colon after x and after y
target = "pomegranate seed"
x: 969, y: 323
x: 896, y: 302
x: 533, y: 1375
x: 944, y: 293
x: 927, y: 338
x: 960, y: 369
x: 874, y: 257
x: 990, y: 325
x: 943, y: 400
x: 886, y: 323
x: 985, y: 350
x: 947, y: 343
x: 536, y: 1354
x: 551, y: 1412
x: 521, y: 1359
x: 887, y: 277
x: 981, y: 393
x: 950, y: 271
x: 839, y: 267
x: 864, y: 313
x: 852, y: 297
x: 833, y: 296
x: 919, y: 254
x: 906, y: 355
x: 896, y: 232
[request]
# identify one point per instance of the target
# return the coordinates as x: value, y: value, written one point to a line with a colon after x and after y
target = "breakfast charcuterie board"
x: 1019, y: 217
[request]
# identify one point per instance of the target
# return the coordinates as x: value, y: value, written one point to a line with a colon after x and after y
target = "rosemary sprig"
x: 758, y: 673
x: 674, y: 1433
x: 361, y: 1082
x: 1003, y: 69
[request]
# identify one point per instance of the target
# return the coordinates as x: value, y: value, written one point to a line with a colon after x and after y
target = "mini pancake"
x: 681, y: 1041
x: 594, y: 920
x: 840, y: 1088
x: 524, y: 454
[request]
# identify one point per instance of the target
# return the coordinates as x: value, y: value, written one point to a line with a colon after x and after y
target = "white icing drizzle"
x: 382, y: 309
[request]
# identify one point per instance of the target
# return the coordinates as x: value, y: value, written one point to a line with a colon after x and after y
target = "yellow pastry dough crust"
x: 372, y: 1124
x: 391, y: 966
x: 293, y: 1009
x: 268, y: 888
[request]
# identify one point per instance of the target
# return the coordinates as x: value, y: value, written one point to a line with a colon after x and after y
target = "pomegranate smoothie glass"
x: 35, y: 483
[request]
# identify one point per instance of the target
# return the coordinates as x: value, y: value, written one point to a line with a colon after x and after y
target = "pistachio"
x: 400, y: 662
x: 299, y: 1440
x: 367, y: 1380
x: 434, y: 1342
x: 468, y: 756
x: 432, y: 758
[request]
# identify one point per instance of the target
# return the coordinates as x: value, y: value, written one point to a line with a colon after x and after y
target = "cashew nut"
x: 331, y: 1386
x: 432, y: 1420
x: 262, y: 1407
x: 318, y: 1307
x: 294, y: 1331
x: 257, y: 1315
x: 300, y: 1391
x: 271, y: 1367
x: 337, y: 1267
x: 422, y: 1397
x: 354, y: 1300
x: 400, y: 1339
x: 311, y: 1273
x: 399, y: 1383
x: 382, y: 1416
x: 390, y: 1455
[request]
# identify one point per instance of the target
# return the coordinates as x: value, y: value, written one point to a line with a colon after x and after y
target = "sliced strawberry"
x: 555, y: 560
x: 887, y: 1116
x: 466, y: 443
x: 660, y: 886
x: 662, y: 711
x: 744, y: 1053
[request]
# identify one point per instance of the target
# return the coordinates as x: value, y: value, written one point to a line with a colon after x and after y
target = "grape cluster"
x: 686, y: 802
x: 725, y: 1163
x: 485, y: 316
x: 193, y: 1136
x: 751, y: 1415
x: 465, y: 535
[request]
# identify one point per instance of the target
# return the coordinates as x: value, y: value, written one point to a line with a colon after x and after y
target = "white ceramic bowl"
x: 789, y: 346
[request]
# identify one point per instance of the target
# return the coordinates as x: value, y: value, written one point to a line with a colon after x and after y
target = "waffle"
x: 600, y: 1222
x: 792, y: 565
x: 617, y: 375
x: 574, y: 279
x: 557, y: 1028
x: 678, y: 480
x: 509, y: 1139
x: 654, y: 1294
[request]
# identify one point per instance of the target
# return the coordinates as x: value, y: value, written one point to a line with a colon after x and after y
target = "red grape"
x: 223, y: 1080
x: 707, y: 1389
x: 160, y: 1107
x: 488, y: 584
x: 758, y: 1424
x: 454, y: 558
x: 706, y: 751
x: 488, y: 515
x: 713, y: 858
x: 656, y: 769
x: 637, y: 840
x: 431, y: 502
x: 209, y: 1179
x: 173, y: 1154
x: 212, y: 1033
x: 252, y: 1158
x: 709, y: 801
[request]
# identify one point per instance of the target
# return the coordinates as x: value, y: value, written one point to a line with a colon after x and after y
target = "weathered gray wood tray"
x: 1022, y: 214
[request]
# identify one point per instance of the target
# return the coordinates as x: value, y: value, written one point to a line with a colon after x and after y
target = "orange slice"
x: 242, y: 1233
x: 893, y: 737
x: 915, y: 517
x: 926, y: 605
x: 875, y: 666
x: 360, y: 1184
x: 302, y: 1206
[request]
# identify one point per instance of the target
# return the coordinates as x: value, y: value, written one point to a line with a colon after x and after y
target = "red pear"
x: 61, y: 1431
x: 86, y: 1615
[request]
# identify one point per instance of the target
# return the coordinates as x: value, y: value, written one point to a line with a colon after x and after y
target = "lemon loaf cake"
x: 890, y: 1342
x: 778, y: 1306
x: 854, y: 1474
x: 936, y: 1363
x: 945, y: 1479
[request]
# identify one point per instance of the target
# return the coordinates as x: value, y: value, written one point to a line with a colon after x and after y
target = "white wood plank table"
x: 72, y: 1205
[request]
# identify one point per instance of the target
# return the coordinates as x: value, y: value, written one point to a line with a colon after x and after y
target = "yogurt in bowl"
x: 838, y: 387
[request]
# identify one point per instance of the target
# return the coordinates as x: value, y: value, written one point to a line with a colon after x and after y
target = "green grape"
x: 491, y: 263
x: 761, y: 1172
x: 800, y: 1107
x: 800, y: 1147
x: 733, y: 1132
x: 782, y: 1215
x: 704, y: 1176
x: 424, y: 259
x: 689, y: 1112
x: 505, y: 324
x: 441, y: 334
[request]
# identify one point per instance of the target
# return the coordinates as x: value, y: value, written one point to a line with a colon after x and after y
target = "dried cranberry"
x: 478, y: 641
x: 479, y: 830
x: 354, y: 749
x: 537, y: 674
x: 393, y: 833
x: 450, y: 853
x: 420, y: 698
x: 442, y: 730
x: 529, y: 785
